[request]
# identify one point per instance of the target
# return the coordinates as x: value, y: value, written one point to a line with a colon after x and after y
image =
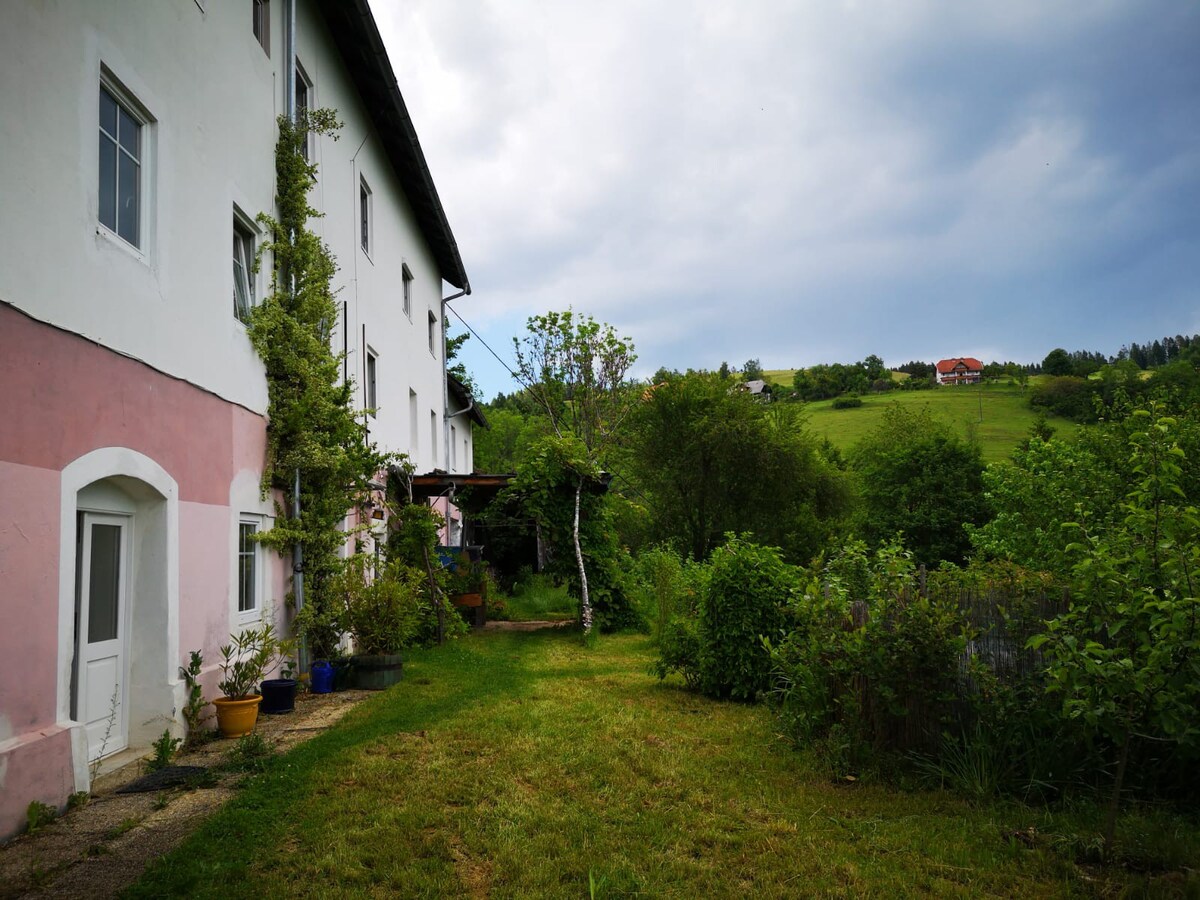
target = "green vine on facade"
x: 313, y: 427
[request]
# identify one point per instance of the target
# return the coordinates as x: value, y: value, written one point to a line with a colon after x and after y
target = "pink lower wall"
x: 29, y: 548
x: 35, y: 767
x: 62, y: 397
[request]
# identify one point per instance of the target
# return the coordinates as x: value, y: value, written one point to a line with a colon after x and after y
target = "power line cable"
x: 467, y: 325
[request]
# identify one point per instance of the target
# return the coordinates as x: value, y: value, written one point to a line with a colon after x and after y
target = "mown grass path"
x: 526, y: 765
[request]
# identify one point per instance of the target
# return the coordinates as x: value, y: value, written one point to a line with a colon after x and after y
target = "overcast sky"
x: 815, y: 181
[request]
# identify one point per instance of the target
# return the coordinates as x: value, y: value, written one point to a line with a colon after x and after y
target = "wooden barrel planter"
x: 472, y: 608
x: 375, y: 673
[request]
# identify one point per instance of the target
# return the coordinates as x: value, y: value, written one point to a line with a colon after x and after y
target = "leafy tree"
x: 574, y: 368
x: 1058, y: 362
x: 917, y: 477
x: 710, y: 460
x: 1046, y: 483
x: 751, y: 370
x: 459, y: 369
x: 723, y: 371
x: 505, y: 444
x: 1126, y: 655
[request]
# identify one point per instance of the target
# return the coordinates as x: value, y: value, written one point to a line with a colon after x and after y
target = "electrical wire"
x: 517, y: 378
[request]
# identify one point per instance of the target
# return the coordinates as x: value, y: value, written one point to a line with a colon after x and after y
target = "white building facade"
x: 138, y: 144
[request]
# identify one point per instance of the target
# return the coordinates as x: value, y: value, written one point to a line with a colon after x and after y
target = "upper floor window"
x: 432, y: 332
x: 372, y: 382
x: 120, y: 168
x: 262, y: 23
x: 243, y: 270
x: 364, y: 215
x: 303, y: 105
x: 408, y: 280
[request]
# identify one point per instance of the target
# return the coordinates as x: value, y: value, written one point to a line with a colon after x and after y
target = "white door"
x: 101, y: 657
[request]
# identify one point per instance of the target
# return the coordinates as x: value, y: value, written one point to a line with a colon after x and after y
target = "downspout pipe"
x: 445, y: 385
x: 289, y: 81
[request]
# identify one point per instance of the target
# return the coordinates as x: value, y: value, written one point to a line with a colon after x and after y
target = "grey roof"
x: 357, y: 39
x: 757, y: 386
x: 459, y: 392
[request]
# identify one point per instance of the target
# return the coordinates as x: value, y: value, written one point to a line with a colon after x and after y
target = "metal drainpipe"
x: 289, y: 55
x: 445, y: 386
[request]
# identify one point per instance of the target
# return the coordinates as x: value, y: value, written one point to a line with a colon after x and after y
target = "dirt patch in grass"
x: 526, y: 626
x: 97, y: 850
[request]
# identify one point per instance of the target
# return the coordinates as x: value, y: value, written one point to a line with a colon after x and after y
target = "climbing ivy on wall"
x: 313, y: 426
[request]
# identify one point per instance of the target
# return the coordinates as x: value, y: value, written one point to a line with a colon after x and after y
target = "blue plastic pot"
x: 322, y: 677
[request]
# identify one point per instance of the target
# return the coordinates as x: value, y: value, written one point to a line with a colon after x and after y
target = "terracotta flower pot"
x: 236, y: 717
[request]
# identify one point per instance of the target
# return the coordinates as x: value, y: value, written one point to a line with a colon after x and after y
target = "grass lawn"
x: 1006, y: 416
x: 524, y: 765
x: 538, y: 599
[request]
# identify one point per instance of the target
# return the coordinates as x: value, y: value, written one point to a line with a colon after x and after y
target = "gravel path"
x: 99, y: 849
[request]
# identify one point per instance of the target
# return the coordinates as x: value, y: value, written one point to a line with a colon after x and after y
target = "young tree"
x: 713, y: 461
x: 574, y: 368
x: 1125, y: 656
x: 751, y: 370
x: 920, y: 478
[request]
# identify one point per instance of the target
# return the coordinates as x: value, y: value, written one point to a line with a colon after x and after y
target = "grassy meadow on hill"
x: 1007, y: 415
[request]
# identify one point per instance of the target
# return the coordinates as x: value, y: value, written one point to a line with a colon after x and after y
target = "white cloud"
x: 809, y: 182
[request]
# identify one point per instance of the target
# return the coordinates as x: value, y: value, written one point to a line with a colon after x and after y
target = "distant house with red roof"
x: 964, y: 370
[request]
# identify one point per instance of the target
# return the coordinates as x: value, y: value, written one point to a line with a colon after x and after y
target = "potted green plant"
x: 382, y: 615
x: 468, y: 589
x: 279, y: 694
x: 248, y: 656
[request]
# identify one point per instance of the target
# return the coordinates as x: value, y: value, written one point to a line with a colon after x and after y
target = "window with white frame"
x: 248, y: 555
x: 261, y: 15
x: 303, y: 101
x: 453, y: 449
x: 432, y: 332
x: 372, y: 395
x: 433, y: 436
x: 364, y: 215
x: 243, y: 269
x: 413, y: 406
x: 121, y: 164
x: 408, y: 281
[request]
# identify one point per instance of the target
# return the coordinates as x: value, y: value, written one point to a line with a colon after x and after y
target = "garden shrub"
x: 747, y: 592
x: 850, y: 401
x: 679, y: 647
x: 881, y: 669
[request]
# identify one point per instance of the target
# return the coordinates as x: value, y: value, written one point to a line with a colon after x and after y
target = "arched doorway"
x: 118, y: 629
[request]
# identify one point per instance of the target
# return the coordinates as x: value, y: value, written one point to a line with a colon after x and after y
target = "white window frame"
x: 406, y: 276
x: 245, y: 241
x: 433, y: 430
x: 365, y: 225
x: 414, y: 423
x: 260, y: 24
x: 305, y: 83
x: 126, y: 101
x: 371, y: 381
x: 432, y: 332
x: 254, y: 612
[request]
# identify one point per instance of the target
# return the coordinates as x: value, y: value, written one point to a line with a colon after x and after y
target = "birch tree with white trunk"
x: 575, y: 368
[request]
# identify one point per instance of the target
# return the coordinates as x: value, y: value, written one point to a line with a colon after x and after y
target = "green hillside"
x: 1006, y: 416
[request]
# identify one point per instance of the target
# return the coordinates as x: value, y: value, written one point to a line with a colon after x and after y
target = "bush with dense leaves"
x: 747, y: 592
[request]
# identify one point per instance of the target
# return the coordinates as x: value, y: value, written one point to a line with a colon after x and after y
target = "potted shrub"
x: 248, y: 656
x: 381, y: 615
x: 279, y: 694
x: 468, y: 589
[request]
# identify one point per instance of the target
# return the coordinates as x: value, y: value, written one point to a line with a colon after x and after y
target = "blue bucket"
x: 322, y: 677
